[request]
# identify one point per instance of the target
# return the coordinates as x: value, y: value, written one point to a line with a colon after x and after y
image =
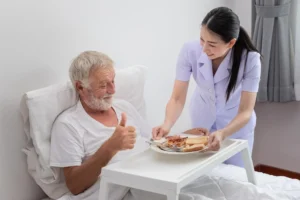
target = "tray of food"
x: 180, y: 144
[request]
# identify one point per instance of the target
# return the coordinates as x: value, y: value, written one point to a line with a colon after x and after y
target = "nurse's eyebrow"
x: 210, y: 41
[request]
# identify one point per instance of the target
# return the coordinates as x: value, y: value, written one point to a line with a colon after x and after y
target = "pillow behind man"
x: 41, y: 107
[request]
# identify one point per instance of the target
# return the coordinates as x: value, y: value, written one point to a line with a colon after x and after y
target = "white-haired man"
x: 97, y: 130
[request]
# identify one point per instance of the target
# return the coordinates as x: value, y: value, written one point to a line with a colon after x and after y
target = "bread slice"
x: 197, y: 140
x: 195, y: 147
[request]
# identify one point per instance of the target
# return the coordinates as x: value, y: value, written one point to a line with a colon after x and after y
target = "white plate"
x: 155, y: 148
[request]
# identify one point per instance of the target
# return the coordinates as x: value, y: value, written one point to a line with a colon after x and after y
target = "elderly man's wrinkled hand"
x: 124, y: 136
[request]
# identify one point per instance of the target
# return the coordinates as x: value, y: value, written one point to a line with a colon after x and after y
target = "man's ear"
x: 79, y: 87
x: 232, y: 42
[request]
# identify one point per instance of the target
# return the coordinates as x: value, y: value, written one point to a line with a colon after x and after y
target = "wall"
x: 243, y: 10
x: 277, y: 135
x: 39, y: 38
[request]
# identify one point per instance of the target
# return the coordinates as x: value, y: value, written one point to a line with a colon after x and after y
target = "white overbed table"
x: 167, y: 174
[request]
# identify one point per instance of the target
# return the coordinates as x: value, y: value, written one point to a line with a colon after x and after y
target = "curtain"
x: 296, y: 26
x: 272, y: 35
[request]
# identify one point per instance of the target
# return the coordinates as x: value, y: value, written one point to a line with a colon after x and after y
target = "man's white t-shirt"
x: 76, y: 136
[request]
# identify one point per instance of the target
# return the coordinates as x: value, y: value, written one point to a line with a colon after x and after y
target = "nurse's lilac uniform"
x: 208, y: 108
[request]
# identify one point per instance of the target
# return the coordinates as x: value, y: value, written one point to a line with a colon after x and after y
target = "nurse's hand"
x: 197, y: 131
x: 214, y: 140
x: 160, y: 131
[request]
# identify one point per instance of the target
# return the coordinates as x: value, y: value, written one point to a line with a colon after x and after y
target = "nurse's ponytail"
x: 225, y: 23
x: 243, y: 43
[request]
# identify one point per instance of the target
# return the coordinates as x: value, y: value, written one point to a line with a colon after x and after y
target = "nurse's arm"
x: 176, y: 103
x: 246, y: 108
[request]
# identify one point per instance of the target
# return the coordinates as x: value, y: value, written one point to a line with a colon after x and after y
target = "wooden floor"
x: 276, y: 171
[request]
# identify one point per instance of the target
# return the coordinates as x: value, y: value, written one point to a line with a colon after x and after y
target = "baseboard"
x: 276, y: 171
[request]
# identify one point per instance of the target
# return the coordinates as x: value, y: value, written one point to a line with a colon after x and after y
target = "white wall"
x: 243, y: 9
x: 39, y: 38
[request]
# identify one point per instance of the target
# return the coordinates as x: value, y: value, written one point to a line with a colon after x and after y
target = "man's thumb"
x: 123, y: 120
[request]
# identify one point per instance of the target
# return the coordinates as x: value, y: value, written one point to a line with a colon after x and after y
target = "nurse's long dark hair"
x: 225, y: 23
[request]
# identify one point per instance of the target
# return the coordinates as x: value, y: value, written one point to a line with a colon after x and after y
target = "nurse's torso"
x: 208, y: 106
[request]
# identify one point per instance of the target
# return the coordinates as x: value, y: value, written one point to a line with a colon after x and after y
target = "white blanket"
x: 225, y: 182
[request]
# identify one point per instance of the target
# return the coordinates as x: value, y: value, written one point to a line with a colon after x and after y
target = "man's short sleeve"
x: 66, y: 146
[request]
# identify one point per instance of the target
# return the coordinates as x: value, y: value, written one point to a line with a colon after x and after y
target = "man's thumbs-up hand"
x: 124, y: 136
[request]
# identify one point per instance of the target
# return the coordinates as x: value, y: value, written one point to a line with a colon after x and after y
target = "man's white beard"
x: 99, y: 104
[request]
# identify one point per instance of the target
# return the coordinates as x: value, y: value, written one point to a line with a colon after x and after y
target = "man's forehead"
x: 103, y: 74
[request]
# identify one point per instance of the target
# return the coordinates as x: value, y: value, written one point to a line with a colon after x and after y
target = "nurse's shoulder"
x: 253, y: 60
x: 192, y: 49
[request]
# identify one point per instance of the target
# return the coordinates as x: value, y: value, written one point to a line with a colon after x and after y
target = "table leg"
x: 248, y: 165
x: 172, y: 196
x: 103, y: 192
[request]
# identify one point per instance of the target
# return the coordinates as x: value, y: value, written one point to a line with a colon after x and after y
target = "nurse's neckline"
x: 215, y: 67
x: 219, y: 60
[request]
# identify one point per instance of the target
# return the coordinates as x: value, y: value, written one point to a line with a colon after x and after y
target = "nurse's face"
x: 213, y: 45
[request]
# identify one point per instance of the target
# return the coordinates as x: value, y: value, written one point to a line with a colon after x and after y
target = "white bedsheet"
x: 225, y: 182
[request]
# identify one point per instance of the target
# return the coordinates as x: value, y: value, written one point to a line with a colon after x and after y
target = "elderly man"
x: 97, y: 130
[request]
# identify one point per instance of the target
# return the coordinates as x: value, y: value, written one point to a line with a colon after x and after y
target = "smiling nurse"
x: 226, y: 67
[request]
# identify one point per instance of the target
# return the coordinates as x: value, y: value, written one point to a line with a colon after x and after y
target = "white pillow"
x: 40, y: 109
x: 130, y: 83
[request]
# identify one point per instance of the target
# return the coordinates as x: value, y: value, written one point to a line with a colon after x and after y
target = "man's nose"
x: 111, y: 89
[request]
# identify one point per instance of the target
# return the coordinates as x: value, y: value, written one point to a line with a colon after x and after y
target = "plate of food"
x: 180, y: 144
